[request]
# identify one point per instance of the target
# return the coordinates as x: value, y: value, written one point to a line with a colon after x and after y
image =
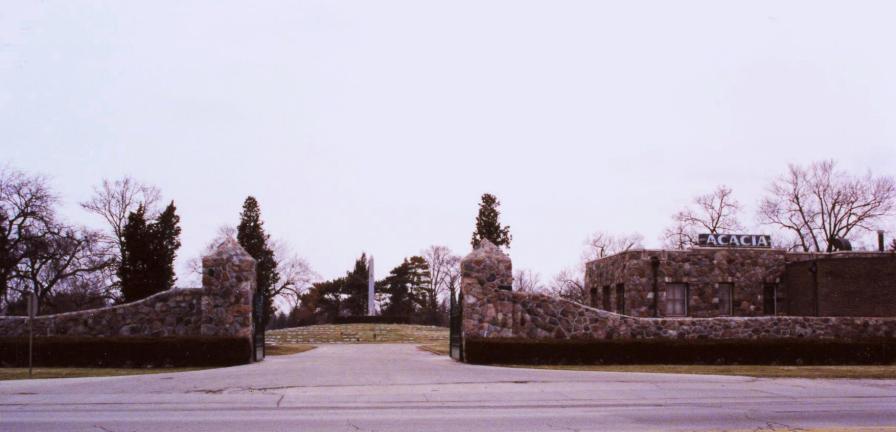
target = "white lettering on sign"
x: 734, y: 240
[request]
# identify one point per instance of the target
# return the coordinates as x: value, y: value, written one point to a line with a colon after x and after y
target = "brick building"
x: 712, y: 281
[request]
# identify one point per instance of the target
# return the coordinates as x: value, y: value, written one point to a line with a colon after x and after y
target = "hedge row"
x: 376, y: 319
x: 127, y: 351
x: 645, y: 351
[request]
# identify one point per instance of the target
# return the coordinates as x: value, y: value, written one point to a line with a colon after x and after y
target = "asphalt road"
x: 398, y: 388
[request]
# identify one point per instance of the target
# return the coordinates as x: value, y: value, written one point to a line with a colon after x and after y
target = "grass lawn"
x: 287, y: 349
x: 759, y: 371
x: 52, y: 372
x: 436, y: 348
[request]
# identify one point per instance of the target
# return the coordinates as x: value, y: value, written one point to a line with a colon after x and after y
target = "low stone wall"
x: 536, y: 316
x: 221, y: 308
x: 491, y: 313
x: 176, y: 312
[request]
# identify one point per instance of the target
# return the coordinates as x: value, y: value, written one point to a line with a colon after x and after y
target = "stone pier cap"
x: 487, y: 268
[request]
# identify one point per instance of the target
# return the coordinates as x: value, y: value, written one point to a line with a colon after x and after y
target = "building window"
x: 593, y: 296
x: 606, y: 298
x: 726, y: 291
x: 676, y: 300
x: 620, y: 299
x: 769, y: 299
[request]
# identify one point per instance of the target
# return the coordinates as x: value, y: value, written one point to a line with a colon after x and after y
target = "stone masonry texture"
x: 849, y: 283
x: 489, y: 312
x: 222, y: 307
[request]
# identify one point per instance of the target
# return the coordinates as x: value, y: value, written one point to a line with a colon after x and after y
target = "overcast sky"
x: 376, y: 125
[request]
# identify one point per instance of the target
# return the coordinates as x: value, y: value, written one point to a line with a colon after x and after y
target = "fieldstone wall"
x: 488, y: 312
x: 700, y: 269
x: 223, y: 307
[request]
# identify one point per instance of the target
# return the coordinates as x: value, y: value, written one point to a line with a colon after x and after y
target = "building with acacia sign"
x: 739, y: 275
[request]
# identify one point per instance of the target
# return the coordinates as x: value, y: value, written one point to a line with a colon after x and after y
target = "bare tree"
x: 601, y: 244
x: 444, y: 267
x: 713, y: 213
x: 527, y: 281
x: 569, y: 283
x: 26, y: 212
x: 58, y: 256
x: 296, y: 275
x: 193, y: 266
x: 820, y: 202
x: 115, y: 200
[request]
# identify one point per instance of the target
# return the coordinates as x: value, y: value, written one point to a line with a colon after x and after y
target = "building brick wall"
x: 847, y: 285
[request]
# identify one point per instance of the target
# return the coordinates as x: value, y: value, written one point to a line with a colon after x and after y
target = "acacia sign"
x: 735, y: 240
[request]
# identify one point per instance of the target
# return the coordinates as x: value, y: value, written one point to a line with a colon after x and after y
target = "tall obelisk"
x: 371, y: 305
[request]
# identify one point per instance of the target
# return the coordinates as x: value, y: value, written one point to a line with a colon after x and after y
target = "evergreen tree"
x: 406, y: 289
x: 135, y: 258
x: 355, y: 288
x: 396, y: 289
x: 165, y: 234
x: 251, y: 236
x: 488, y: 226
x: 148, y: 253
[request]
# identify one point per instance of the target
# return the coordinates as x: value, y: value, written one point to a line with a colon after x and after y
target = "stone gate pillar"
x: 228, y: 278
x: 484, y: 272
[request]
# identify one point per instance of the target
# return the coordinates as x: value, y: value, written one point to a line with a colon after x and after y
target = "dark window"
x: 769, y: 299
x: 726, y: 291
x: 620, y: 299
x: 593, y: 297
x: 676, y: 300
x: 606, y: 299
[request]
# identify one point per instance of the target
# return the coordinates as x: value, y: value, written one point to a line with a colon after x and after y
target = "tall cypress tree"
x: 355, y: 287
x: 165, y: 234
x: 251, y: 236
x: 135, y: 257
x: 488, y: 227
x: 147, y: 259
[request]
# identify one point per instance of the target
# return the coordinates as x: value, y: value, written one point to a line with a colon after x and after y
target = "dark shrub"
x: 647, y: 351
x: 70, y: 351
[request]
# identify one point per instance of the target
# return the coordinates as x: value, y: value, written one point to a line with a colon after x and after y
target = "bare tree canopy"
x: 296, y: 275
x: 601, y: 244
x: 115, y: 200
x: 38, y: 253
x: 527, y: 281
x: 444, y: 268
x: 569, y: 283
x: 27, y: 210
x: 713, y: 213
x: 819, y: 202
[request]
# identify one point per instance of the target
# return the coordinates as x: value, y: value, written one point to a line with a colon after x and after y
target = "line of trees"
x: 72, y: 267
x: 420, y: 288
x: 807, y: 206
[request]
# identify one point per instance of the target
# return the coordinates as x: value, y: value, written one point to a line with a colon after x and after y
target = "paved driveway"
x: 398, y: 388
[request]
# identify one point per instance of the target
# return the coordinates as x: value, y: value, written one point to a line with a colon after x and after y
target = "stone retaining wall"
x: 223, y: 307
x: 488, y: 312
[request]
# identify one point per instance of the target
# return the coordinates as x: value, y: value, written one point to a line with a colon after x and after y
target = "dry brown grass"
x: 758, y: 371
x: 441, y: 348
x: 287, y: 349
x: 47, y: 372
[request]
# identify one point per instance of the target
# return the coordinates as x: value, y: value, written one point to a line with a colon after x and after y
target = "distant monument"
x: 371, y: 282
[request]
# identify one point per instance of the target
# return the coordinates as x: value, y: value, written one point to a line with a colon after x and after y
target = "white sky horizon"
x: 376, y: 126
